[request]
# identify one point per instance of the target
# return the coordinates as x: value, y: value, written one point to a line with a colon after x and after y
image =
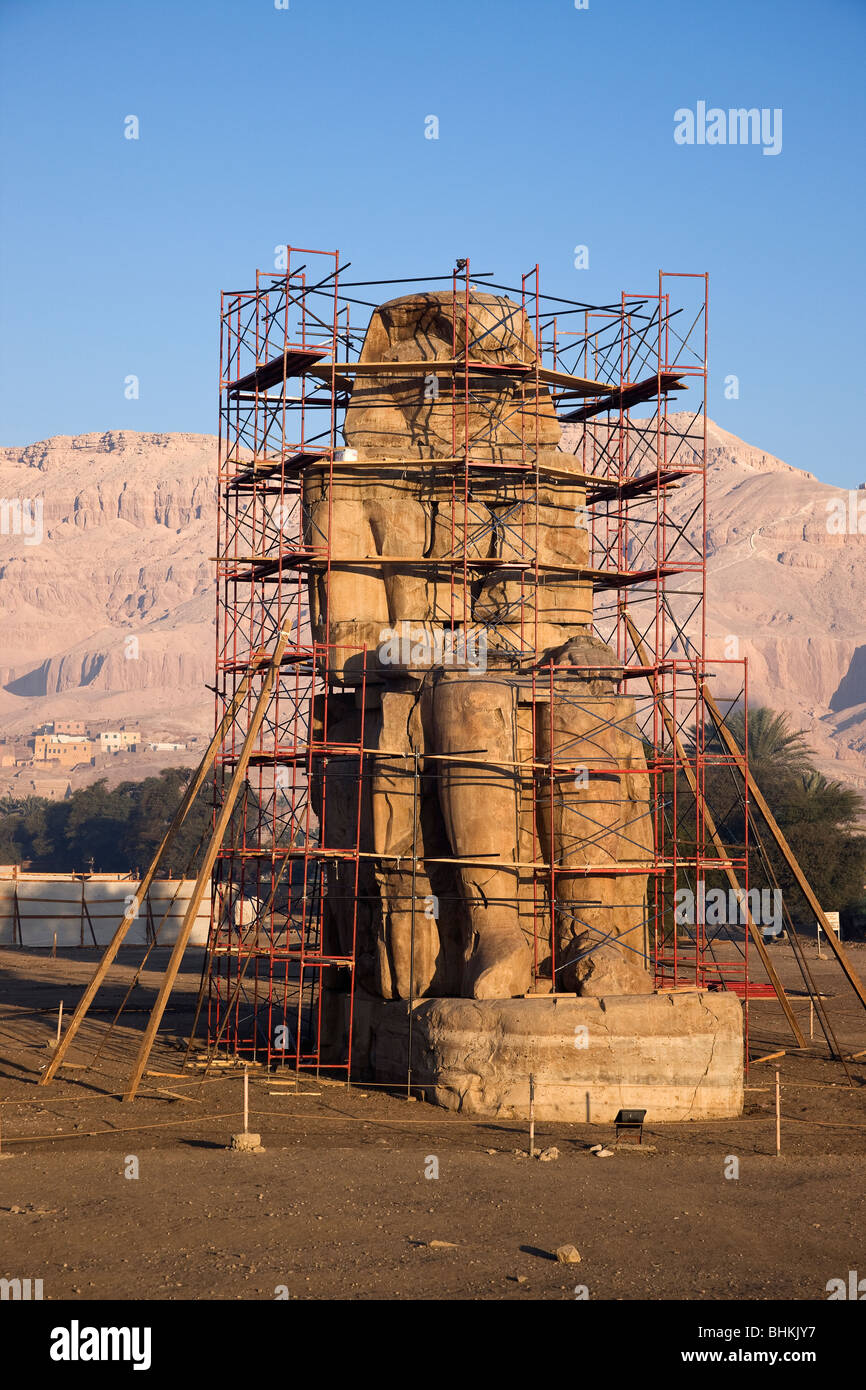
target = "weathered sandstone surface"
x: 678, y: 1056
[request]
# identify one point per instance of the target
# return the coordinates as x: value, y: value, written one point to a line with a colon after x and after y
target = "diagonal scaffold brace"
x: 193, y: 788
x: 710, y: 823
x: 130, y: 916
x: 754, y: 791
x: 238, y: 779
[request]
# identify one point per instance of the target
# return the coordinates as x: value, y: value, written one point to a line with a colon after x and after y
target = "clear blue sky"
x: 260, y: 125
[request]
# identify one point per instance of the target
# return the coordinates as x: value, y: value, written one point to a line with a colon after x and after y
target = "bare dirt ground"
x: 338, y: 1206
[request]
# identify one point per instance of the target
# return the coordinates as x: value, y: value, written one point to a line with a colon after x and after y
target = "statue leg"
x: 474, y: 724
x: 408, y: 949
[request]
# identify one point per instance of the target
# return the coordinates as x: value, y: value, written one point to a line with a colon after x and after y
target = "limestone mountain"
x: 106, y: 597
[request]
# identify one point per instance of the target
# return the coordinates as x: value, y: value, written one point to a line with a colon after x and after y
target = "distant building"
x: 119, y: 740
x: 52, y: 788
x: 166, y: 747
x: 13, y: 754
x: 74, y: 728
x: 61, y: 748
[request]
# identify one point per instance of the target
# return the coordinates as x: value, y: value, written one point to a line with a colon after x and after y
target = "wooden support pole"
x: 710, y: 823
x: 531, y: 1115
x: 778, y: 1116
x: 16, y: 926
x: 86, y: 910
x: 131, y: 913
x: 410, y: 1003
x: 237, y: 989
x: 789, y: 855
x: 203, y: 879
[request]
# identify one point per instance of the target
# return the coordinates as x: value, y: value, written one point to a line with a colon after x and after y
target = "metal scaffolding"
x: 290, y: 351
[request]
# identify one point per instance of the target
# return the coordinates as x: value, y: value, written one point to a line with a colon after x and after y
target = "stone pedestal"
x: 678, y: 1056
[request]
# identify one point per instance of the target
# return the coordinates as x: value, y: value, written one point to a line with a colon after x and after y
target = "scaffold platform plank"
x: 271, y: 467
x: 635, y: 394
x: 455, y: 366
x: 294, y: 362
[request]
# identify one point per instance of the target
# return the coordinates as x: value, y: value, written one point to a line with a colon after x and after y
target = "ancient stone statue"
x: 500, y: 762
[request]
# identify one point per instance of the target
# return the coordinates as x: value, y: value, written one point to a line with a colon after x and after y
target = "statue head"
x: 414, y: 414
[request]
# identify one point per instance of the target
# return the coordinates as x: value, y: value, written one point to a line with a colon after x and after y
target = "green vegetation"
x: 117, y: 829
x: 820, y: 818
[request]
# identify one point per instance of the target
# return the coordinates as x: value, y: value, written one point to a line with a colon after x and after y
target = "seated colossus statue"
x: 504, y: 799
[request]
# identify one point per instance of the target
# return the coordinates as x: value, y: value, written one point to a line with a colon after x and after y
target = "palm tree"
x: 819, y: 816
x: 773, y: 744
x: 830, y: 800
x: 815, y: 781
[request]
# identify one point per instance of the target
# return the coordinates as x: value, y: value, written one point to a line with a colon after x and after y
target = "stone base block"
x: 677, y: 1056
x: 246, y: 1143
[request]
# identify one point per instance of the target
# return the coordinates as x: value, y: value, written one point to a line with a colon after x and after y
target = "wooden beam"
x: 131, y: 913
x: 237, y: 780
x: 722, y: 852
x: 456, y: 366
x: 790, y: 857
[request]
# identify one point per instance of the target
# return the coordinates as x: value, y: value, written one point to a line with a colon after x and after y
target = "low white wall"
x: 54, y: 904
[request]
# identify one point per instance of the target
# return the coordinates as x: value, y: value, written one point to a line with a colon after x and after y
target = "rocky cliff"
x: 106, y: 602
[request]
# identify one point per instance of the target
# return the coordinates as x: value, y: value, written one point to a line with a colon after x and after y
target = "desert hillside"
x: 128, y: 524
x: 791, y: 592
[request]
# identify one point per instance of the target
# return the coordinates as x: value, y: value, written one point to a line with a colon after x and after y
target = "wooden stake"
x: 237, y: 781
x: 176, y: 1095
x: 531, y: 1115
x: 246, y: 1102
x: 778, y: 1116
x: 131, y: 913
x: 59, y: 1022
x: 54, y: 948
